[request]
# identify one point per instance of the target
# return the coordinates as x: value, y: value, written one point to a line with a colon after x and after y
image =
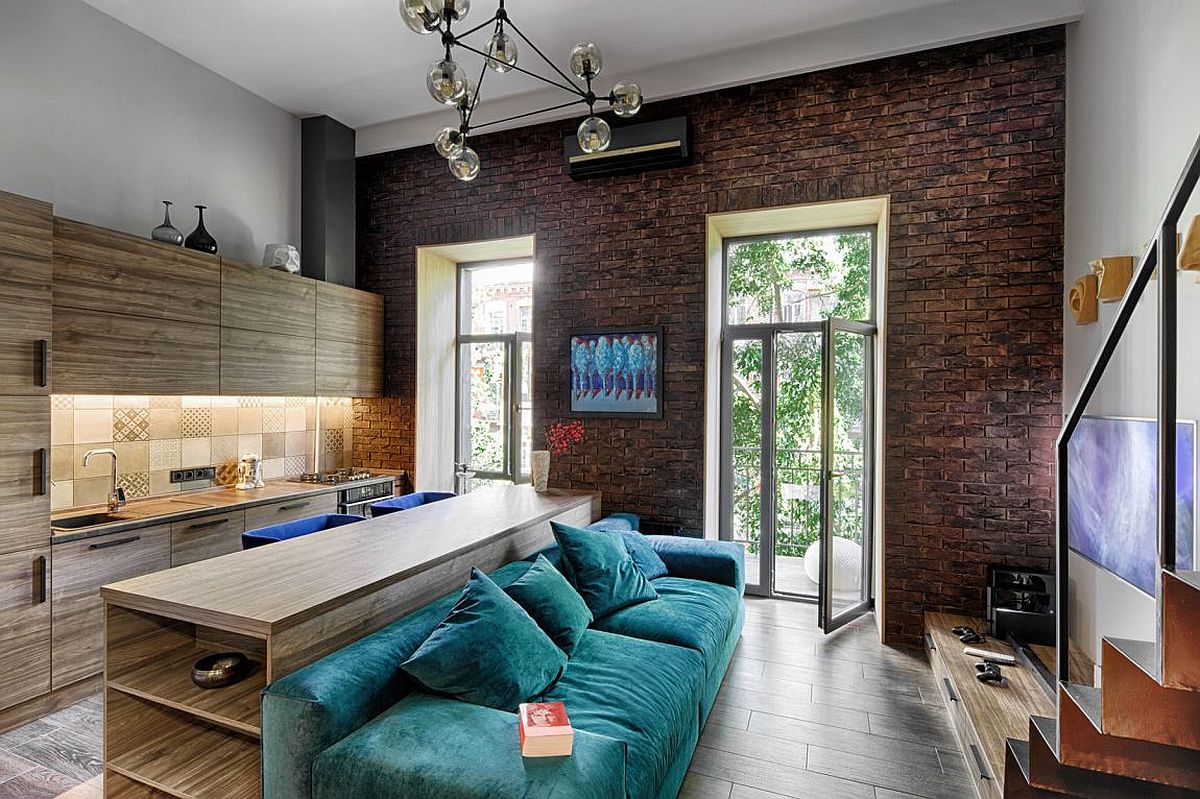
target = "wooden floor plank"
x: 767, y: 725
x: 911, y: 777
x: 764, y: 775
x: 697, y: 786
x: 763, y: 747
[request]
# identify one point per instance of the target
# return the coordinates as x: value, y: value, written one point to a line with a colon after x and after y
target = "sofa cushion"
x: 553, y: 603
x: 644, y: 693
x: 692, y: 613
x: 643, y: 554
x: 601, y: 569
x: 487, y: 651
x: 432, y: 746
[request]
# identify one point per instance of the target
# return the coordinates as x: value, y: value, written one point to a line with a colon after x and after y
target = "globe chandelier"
x: 450, y: 85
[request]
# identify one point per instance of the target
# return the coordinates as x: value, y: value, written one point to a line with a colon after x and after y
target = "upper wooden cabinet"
x: 270, y: 364
x: 26, y: 231
x: 266, y: 300
x: 349, y: 342
x: 100, y: 270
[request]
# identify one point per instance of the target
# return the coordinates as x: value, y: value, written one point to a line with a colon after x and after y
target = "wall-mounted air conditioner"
x: 634, y: 148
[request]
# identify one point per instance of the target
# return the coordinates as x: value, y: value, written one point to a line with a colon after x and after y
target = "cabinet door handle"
x: 297, y: 506
x: 43, y: 364
x: 43, y: 472
x: 206, y: 525
x: 117, y: 543
x: 39, y: 580
x: 929, y: 642
x: 984, y: 774
x: 950, y: 690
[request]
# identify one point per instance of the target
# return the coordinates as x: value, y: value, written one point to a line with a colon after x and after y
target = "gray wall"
x: 104, y: 122
x: 1133, y: 75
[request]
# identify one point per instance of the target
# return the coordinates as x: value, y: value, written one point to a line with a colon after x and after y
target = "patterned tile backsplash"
x: 153, y: 435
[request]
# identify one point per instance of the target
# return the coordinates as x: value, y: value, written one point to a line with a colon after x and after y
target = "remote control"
x: 990, y: 657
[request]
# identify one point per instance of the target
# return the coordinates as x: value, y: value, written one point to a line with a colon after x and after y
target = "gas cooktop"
x: 336, y: 477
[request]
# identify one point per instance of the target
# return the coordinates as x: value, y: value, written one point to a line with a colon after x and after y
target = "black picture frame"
x: 573, y: 409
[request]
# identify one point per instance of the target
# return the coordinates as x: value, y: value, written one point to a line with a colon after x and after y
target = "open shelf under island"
x: 284, y: 606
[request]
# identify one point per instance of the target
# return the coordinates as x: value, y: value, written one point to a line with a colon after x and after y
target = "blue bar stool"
x: 409, y: 501
x: 297, y: 528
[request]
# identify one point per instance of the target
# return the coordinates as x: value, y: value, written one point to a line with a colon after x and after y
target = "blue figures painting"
x: 1112, y: 496
x: 617, y: 373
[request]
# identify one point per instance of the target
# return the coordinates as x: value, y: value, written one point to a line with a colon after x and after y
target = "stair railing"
x: 1161, y: 251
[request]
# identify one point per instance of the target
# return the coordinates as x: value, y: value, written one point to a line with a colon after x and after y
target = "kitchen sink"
x: 132, y: 512
x: 89, y: 520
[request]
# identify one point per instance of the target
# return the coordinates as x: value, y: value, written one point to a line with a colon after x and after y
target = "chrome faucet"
x: 116, y: 494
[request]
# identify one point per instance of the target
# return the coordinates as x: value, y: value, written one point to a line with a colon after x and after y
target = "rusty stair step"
x: 1044, y: 772
x: 1180, y: 636
x: 1136, y: 705
x: 1081, y: 744
x: 1016, y: 774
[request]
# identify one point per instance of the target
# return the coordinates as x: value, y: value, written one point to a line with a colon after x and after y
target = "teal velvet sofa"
x: 638, y: 689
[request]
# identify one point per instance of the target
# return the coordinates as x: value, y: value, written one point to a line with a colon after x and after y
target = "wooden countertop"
x: 261, y: 591
x: 180, y: 507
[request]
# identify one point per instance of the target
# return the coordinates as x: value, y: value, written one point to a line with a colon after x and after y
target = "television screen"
x: 1112, y: 495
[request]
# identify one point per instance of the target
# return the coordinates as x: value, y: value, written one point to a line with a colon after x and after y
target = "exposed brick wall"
x: 967, y: 140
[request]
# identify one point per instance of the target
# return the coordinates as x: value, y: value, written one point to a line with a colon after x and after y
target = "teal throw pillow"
x: 487, y: 651
x: 553, y: 603
x: 602, y: 569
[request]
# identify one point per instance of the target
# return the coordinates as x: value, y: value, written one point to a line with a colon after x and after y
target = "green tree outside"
x: 831, y: 275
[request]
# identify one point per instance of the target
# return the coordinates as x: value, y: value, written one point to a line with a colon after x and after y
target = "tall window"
x: 495, y: 363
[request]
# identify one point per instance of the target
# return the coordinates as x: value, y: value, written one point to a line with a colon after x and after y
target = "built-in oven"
x: 359, y: 499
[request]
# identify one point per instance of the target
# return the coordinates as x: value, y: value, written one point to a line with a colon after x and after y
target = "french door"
x: 796, y: 487
x: 495, y: 406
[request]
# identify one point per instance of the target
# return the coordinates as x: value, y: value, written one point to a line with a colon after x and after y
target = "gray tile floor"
x: 799, y: 715
x: 54, y: 755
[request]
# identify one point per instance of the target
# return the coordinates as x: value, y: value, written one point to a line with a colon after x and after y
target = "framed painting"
x: 617, y: 372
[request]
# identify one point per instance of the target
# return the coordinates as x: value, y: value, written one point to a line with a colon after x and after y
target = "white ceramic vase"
x: 539, y: 465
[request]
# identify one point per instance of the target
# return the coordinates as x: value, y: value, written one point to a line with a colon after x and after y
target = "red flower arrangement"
x: 561, y: 436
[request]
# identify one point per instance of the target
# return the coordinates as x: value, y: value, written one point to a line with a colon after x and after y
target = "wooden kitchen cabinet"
x: 24, y: 626
x: 107, y: 353
x: 26, y: 231
x: 349, y: 342
x: 290, y: 510
x: 267, y: 364
x: 267, y: 300
x: 206, y: 537
x: 24, y: 473
x: 79, y: 569
x: 102, y: 270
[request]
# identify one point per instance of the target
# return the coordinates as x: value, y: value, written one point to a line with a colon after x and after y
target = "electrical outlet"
x: 191, y: 475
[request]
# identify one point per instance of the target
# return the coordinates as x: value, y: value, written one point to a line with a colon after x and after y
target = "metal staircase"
x: 1139, y: 734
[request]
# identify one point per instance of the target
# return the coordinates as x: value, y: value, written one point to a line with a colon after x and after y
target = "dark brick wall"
x: 967, y: 140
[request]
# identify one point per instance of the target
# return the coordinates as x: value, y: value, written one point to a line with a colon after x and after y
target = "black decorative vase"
x: 166, y: 232
x: 200, y: 239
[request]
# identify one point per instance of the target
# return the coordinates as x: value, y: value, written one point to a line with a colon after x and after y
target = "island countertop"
x: 267, y: 589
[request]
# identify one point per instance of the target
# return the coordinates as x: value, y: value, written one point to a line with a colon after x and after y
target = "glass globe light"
x: 446, y: 81
x: 502, y: 52
x: 468, y: 99
x: 449, y: 143
x: 626, y: 99
x: 594, y: 135
x: 457, y: 9
x: 585, y: 60
x: 465, y: 165
x: 418, y: 17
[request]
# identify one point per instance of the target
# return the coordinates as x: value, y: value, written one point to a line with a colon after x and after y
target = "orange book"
x: 545, y: 729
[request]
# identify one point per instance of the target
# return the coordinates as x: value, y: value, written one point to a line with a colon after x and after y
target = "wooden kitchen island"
x: 284, y: 605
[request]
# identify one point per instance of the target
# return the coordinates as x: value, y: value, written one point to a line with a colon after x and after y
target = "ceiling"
x: 356, y: 61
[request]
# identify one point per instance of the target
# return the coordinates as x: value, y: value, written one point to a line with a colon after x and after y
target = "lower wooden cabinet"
x: 206, y: 537
x: 24, y: 626
x: 289, y: 510
x: 80, y: 568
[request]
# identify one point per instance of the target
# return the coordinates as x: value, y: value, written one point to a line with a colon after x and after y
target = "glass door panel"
x: 523, y: 408
x: 845, y: 540
x: 744, y: 468
x: 797, y: 462
x: 483, y: 438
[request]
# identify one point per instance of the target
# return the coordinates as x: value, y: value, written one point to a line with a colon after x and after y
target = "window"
x: 495, y: 411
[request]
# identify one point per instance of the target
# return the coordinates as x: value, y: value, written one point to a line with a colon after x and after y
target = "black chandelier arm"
x: 567, y: 104
x: 478, y: 27
x: 478, y: 94
x: 542, y: 55
x: 515, y: 68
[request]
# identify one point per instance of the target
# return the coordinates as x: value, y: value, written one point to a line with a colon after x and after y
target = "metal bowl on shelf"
x: 220, y: 669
